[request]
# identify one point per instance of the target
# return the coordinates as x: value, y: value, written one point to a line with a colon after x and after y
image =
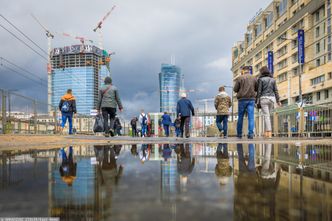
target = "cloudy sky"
x: 144, y: 34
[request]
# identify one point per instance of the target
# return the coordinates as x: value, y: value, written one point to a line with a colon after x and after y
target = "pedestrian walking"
x: 177, y: 125
x: 222, y: 103
x: 267, y: 97
x: 184, y: 109
x: 117, y: 126
x: 108, y: 102
x: 68, y: 166
x: 246, y: 88
x: 166, y: 121
x: 133, y: 124
x: 143, y: 119
x: 67, y: 106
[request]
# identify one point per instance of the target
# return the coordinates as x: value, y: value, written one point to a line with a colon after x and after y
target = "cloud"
x: 223, y: 63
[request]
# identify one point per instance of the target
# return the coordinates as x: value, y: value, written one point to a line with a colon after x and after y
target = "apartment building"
x: 275, y: 30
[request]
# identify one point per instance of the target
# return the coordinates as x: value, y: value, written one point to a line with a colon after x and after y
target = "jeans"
x: 166, y: 129
x: 243, y: 167
x: 64, y: 154
x: 134, y: 131
x: 185, y: 121
x: 68, y: 116
x: 222, y: 121
x: 144, y: 129
x: 246, y: 105
x: 177, y: 131
x: 108, y: 114
x: 267, y: 107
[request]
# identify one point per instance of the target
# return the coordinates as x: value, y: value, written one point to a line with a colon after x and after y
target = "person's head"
x: 142, y: 111
x: 264, y: 71
x: 165, y: 112
x: 108, y: 80
x: 246, y: 70
x: 183, y: 95
x: 69, y: 91
x: 222, y: 89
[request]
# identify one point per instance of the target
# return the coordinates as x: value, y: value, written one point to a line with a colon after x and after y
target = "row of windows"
x: 326, y: 95
x: 318, y: 80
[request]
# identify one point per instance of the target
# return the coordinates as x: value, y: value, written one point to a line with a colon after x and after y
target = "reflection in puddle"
x: 169, y: 182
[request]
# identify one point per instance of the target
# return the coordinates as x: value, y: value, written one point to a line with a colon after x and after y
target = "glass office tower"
x: 171, y: 87
x: 82, y: 69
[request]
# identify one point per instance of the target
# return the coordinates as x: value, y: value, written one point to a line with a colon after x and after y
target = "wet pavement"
x: 184, y: 181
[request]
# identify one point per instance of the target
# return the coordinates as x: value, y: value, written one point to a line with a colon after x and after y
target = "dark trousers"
x: 222, y: 121
x: 166, y: 129
x: 134, y: 131
x: 108, y: 114
x: 185, y: 121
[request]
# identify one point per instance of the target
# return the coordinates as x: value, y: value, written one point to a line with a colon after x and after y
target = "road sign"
x: 301, y: 42
x: 270, y: 61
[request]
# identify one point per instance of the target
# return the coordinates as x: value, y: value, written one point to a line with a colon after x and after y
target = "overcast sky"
x: 144, y: 34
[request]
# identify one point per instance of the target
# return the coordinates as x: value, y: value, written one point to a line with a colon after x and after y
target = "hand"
x: 121, y: 109
x: 279, y: 104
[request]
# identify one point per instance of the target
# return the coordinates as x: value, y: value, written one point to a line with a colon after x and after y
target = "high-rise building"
x: 82, y: 69
x: 275, y: 30
x: 171, y: 86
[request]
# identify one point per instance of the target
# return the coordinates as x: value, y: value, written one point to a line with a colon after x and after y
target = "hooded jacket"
x: 109, y: 97
x: 71, y: 100
x: 222, y: 103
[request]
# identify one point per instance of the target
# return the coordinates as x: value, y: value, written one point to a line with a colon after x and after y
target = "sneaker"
x: 106, y: 135
x: 111, y: 132
x: 250, y: 137
x: 221, y: 134
x: 225, y: 137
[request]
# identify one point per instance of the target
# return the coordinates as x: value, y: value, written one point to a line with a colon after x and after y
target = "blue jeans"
x: 68, y: 116
x: 64, y: 154
x: 250, y: 167
x: 144, y: 130
x: 246, y: 105
x: 222, y: 121
x: 177, y: 131
x: 166, y: 129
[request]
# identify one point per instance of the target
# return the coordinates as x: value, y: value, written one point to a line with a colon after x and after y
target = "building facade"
x: 82, y: 69
x: 275, y: 30
x: 171, y: 86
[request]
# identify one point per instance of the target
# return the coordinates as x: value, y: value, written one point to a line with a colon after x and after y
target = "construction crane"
x: 50, y: 36
x: 99, y: 27
x: 80, y: 38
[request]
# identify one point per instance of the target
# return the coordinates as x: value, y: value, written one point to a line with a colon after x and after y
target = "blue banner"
x: 270, y: 61
x: 250, y: 69
x: 301, y: 42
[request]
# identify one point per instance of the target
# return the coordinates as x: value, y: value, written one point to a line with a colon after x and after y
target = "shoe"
x: 106, y: 135
x: 225, y: 137
x: 221, y: 134
x: 239, y: 136
x: 111, y: 132
x: 250, y: 137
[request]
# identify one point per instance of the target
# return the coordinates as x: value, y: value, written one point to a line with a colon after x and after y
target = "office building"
x: 171, y: 87
x: 81, y: 68
x: 275, y: 29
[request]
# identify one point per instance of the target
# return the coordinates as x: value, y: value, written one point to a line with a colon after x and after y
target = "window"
x: 258, y: 30
x: 294, y: 58
x: 294, y: 43
x: 249, y: 38
x: 318, y: 62
x: 295, y: 71
x: 318, y: 80
x: 282, y: 8
x: 282, y: 64
x: 329, y: 76
x: 318, y: 48
x: 282, y: 77
x: 282, y: 38
x: 282, y: 51
x: 268, y: 20
x: 326, y: 92
x: 258, y: 56
x: 317, y: 31
x: 318, y: 96
x: 294, y: 2
x: 317, y: 16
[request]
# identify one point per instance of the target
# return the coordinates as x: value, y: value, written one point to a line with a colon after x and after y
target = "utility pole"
x: 4, y: 120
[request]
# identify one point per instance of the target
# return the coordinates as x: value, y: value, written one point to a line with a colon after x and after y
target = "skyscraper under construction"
x: 81, y: 68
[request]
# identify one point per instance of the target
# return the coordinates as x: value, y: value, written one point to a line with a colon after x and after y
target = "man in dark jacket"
x: 166, y: 121
x: 246, y: 88
x: 184, y: 109
x: 67, y: 106
x: 108, y: 101
x: 133, y: 124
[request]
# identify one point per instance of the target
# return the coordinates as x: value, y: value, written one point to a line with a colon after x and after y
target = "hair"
x: 183, y: 95
x: 264, y: 71
x: 165, y: 112
x: 245, y: 68
x: 69, y: 91
x: 222, y: 88
x: 108, y: 80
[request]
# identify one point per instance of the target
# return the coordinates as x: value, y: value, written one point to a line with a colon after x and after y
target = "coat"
x: 222, y: 103
x: 246, y: 87
x: 109, y: 97
x: 72, y: 103
x: 166, y: 119
x: 185, y: 108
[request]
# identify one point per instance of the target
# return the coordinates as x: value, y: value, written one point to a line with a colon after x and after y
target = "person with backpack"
x: 222, y: 103
x: 67, y: 106
x: 267, y: 97
x: 166, y: 121
x: 108, y: 102
x: 133, y: 124
x: 143, y: 119
x: 184, y: 109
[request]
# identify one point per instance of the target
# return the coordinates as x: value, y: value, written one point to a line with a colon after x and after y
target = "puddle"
x: 169, y: 182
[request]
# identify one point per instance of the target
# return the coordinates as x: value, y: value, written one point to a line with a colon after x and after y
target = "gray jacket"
x: 267, y: 87
x: 109, y: 98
